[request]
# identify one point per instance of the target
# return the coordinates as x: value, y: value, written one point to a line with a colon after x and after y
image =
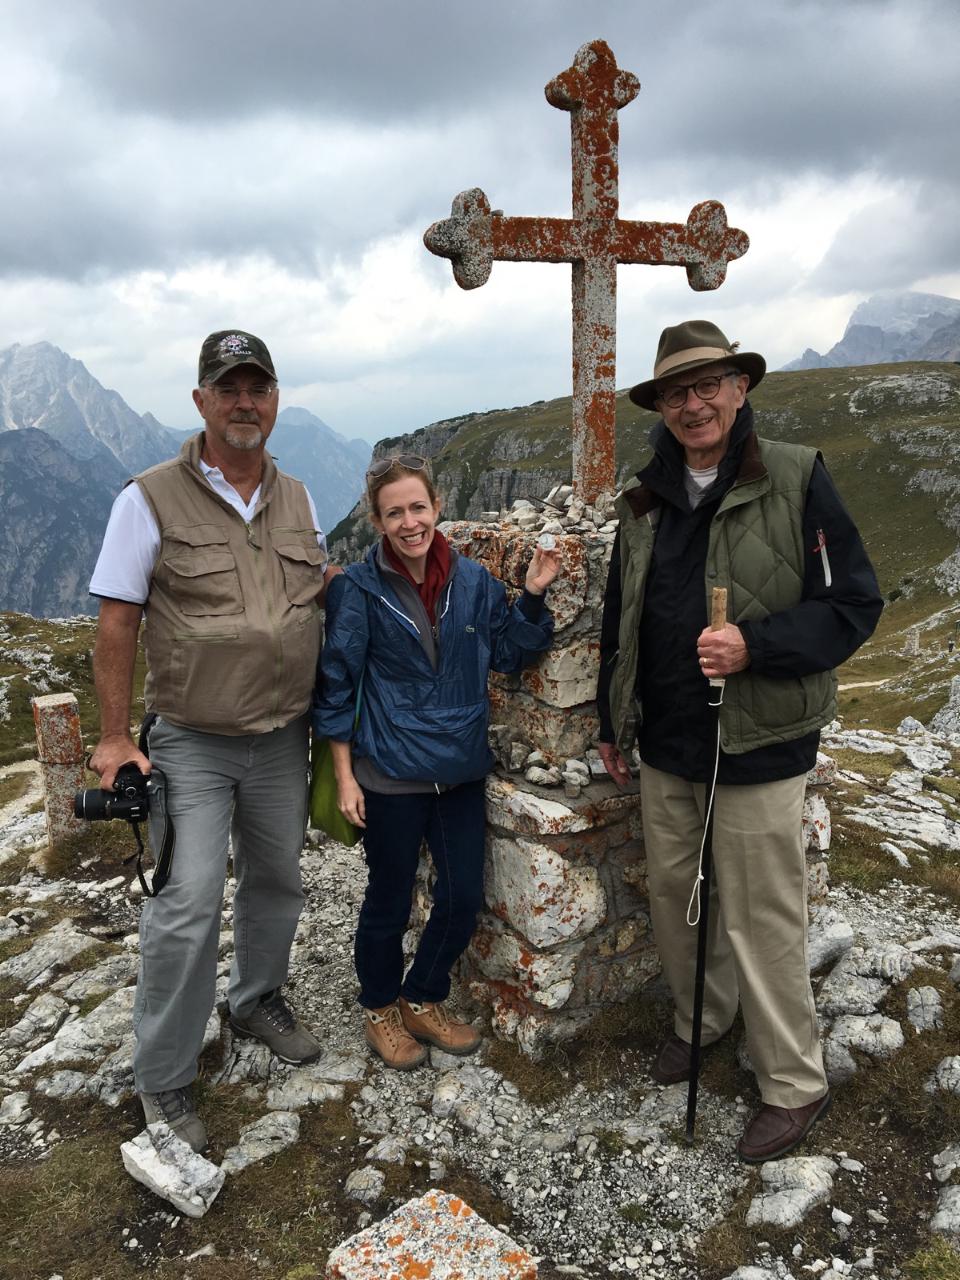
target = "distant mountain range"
x: 67, y: 447
x: 890, y: 327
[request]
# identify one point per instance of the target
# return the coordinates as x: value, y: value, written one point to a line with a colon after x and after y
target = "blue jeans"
x: 452, y: 823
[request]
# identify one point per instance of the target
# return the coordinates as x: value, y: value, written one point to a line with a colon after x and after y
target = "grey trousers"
x: 757, y: 934
x: 256, y: 785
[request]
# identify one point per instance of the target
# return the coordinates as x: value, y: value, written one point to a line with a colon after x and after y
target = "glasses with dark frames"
x: 704, y: 388
x: 412, y: 461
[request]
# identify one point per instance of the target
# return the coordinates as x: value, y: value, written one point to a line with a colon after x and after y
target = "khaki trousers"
x: 757, y: 937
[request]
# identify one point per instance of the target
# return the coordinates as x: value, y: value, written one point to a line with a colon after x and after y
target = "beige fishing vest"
x: 232, y: 622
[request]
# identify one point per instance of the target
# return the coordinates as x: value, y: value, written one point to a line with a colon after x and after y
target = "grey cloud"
x: 893, y: 243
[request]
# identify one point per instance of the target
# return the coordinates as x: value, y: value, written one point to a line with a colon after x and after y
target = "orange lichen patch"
x: 594, y: 240
x: 417, y: 1270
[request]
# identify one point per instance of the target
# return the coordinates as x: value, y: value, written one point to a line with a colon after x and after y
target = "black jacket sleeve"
x: 609, y: 642
x: 841, y: 600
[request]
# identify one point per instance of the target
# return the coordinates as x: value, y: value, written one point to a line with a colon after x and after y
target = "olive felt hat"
x: 688, y: 346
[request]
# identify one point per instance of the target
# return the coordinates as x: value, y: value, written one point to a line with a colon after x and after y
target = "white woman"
x: 415, y: 628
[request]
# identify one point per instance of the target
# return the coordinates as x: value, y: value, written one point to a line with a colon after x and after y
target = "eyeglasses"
x: 412, y: 461
x: 703, y: 388
x: 227, y: 391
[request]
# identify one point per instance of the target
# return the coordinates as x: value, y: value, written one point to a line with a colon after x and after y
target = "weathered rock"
x: 91, y: 1037
x: 365, y: 1185
x: 946, y: 1220
x: 874, y: 1035
x: 171, y: 1169
x: 15, y: 1109
x: 828, y: 937
x: 946, y: 1076
x: 925, y: 1008
x: 41, y: 1020
x: 115, y: 971
x: 946, y: 1162
x: 62, y: 1084
x: 389, y: 1149
x: 792, y: 1187
x: 51, y: 952
x: 541, y: 894
x: 816, y: 822
x: 437, y: 1235
x: 265, y: 1137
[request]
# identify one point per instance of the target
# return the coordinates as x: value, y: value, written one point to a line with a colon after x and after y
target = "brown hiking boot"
x: 389, y: 1039
x: 432, y: 1024
x: 774, y: 1131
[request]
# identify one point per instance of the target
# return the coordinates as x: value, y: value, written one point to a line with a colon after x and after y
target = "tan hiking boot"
x: 389, y: 1039
x: 432, y: 1024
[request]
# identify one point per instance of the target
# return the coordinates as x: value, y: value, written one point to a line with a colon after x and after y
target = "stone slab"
x: 437, y: 1236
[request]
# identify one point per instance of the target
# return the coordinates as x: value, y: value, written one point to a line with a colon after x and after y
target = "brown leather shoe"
x: 432, y: 1024
x: 672, y: 1063
x: 774, y: 1131
x: 390, y: 1040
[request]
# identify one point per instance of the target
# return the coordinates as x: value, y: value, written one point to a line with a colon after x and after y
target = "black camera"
x: 129, y: 799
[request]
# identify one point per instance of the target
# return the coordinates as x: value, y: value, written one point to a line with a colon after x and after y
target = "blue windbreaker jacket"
x: 417, y: 723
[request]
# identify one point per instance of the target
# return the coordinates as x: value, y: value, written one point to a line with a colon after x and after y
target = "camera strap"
x: 164, y: 856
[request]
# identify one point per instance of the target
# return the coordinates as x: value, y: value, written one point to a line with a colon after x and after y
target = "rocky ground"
x: 582, y: 1159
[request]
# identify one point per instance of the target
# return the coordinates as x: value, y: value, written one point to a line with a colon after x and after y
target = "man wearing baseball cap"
x: 219, y: 553
x: 714, y: 505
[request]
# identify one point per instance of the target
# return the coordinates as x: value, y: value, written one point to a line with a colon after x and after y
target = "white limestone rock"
x: 90, y: 1038
x: 946, y: 1162
x: 41, y: 1020
x: 301, y: 1090
x: 365, y: 1185
x: 15, y: 1110
x: 845, y: 992
x: 816, y: 822
x: 829, y: 936
x: 266, y: 1137
x: 171, y: 1169
x: 946, y: 1220
x: 874, y: 1035
x: 543, y: 896
x: 52, y: 950
x: 925, y: 1008
x: 507, y: 801
x: 946, y: 1076
x: 895, y: 853
x: 115, y: 971
x: 389, y: 1149
x: 792, y: 1187
x: 62, y: 1084
x: 909, y: 725
x: 926, y: 757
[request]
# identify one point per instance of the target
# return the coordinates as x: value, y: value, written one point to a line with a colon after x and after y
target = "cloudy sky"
x: 173, y: 168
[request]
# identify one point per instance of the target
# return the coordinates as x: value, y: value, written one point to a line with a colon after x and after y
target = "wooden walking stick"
x: 718, y: 618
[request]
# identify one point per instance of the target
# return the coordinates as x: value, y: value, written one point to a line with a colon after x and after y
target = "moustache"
x: 245, y: 417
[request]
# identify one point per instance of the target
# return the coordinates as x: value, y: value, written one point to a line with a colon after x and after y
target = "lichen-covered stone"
x: 437, y: 1236
x: 543, y: 896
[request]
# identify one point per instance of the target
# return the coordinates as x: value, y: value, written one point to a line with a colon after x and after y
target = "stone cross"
x: 594, y: 240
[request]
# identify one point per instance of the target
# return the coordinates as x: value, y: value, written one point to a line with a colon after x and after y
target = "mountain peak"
x: 890, y: 327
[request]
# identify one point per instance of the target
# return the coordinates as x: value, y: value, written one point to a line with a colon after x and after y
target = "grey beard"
x: 240, y: 439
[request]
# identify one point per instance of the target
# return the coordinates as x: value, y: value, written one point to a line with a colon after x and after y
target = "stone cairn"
x: 566, y: 932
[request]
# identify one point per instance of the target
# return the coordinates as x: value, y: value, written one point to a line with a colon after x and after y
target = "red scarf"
x: 435, y: 574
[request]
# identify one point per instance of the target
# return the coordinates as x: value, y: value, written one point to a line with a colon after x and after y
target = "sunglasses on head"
x: 412, y: 461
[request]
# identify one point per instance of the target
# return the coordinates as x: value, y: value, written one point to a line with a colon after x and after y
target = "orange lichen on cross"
x: 595, y: 240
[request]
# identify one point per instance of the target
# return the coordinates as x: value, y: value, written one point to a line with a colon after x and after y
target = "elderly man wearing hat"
x: 717, y: 506
x: 221, y: 556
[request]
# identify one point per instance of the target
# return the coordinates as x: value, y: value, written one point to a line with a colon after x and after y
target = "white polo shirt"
x: 132, y: 539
